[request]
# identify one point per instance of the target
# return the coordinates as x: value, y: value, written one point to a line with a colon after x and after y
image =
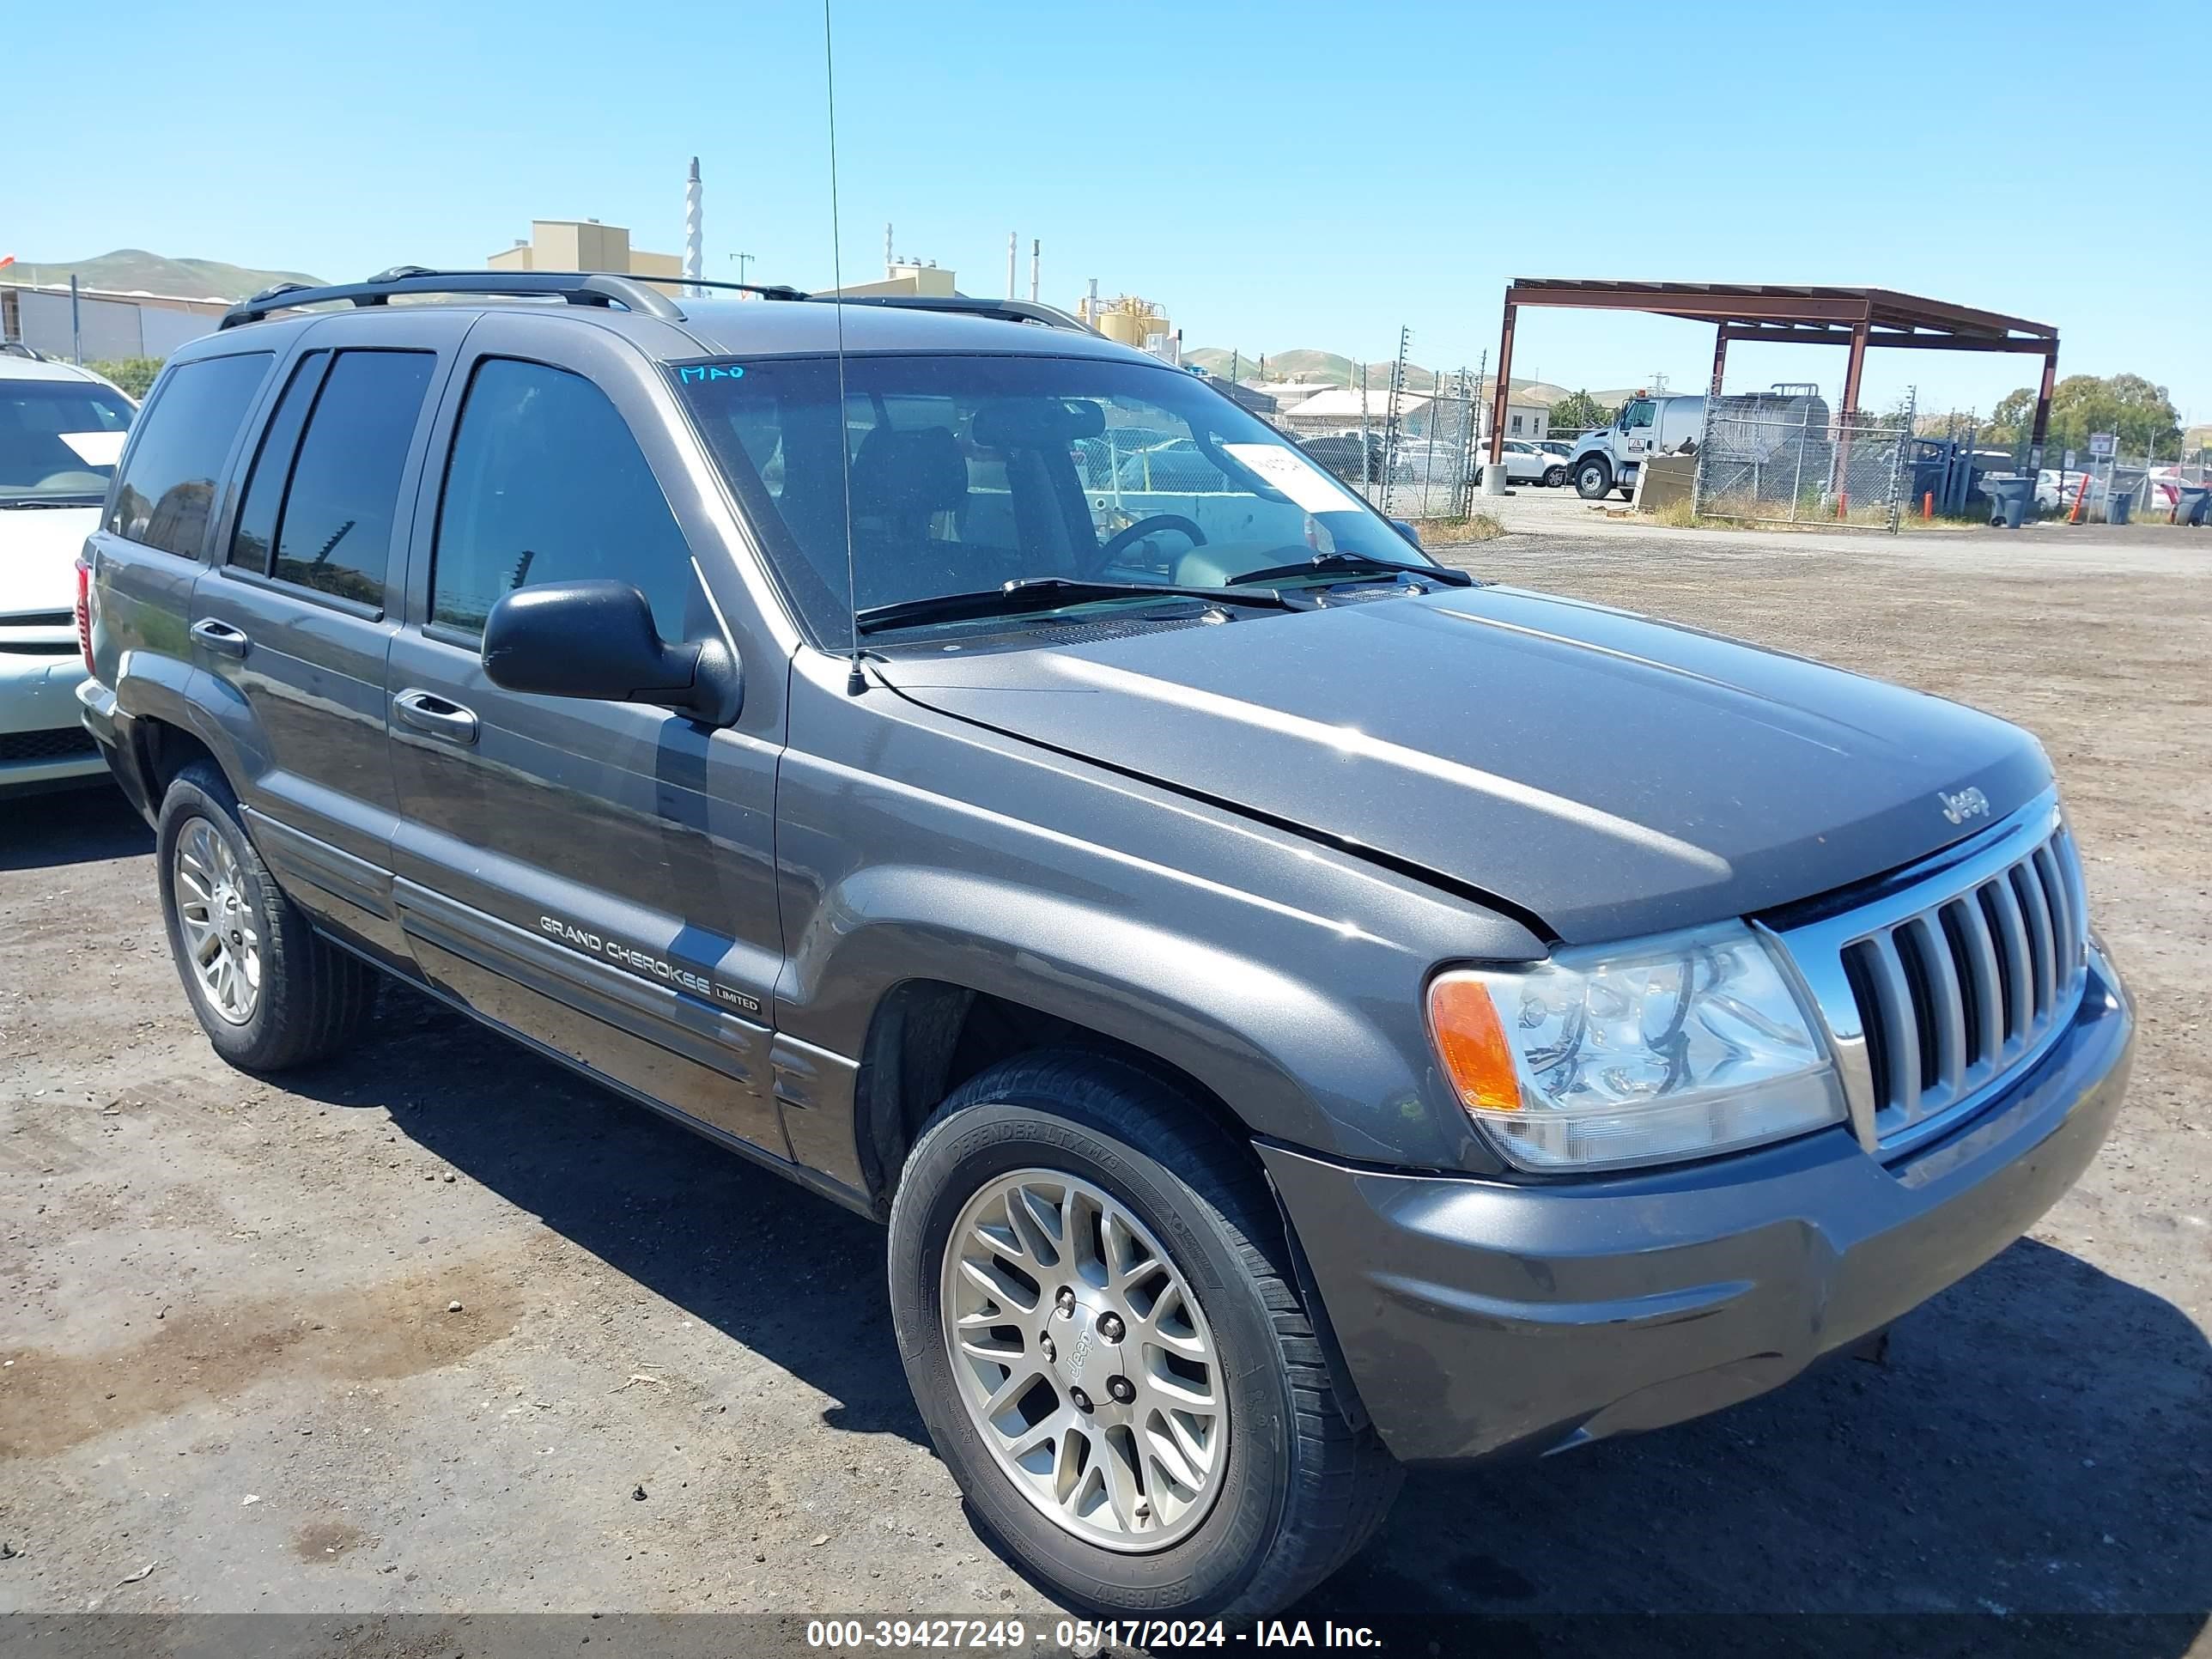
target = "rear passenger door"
x: 597, y: 876
x: 297, y: 612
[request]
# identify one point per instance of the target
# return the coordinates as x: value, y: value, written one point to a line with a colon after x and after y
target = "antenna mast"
x: 855, y: 683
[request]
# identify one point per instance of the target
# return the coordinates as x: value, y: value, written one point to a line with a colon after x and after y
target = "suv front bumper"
x: 1478, y: 1316
x: 40, y: 741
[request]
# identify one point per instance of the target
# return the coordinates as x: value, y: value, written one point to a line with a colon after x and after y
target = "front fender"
x: 1297, y: 1060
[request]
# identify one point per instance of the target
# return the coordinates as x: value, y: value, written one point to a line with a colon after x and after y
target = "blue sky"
x: 1276, y: 175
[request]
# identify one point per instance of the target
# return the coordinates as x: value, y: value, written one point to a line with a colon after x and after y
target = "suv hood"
x: 38, y: 547
x: 1611, y: 774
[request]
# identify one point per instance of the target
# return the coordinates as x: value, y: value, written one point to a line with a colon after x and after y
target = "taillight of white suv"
x: 84, y: 611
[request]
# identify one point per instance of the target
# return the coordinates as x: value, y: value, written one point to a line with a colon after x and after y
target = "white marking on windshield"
x: 1306, y: 484
x: 95, y: 448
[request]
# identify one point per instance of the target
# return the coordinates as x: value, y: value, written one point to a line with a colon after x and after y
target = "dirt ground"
x: 232, y: 1355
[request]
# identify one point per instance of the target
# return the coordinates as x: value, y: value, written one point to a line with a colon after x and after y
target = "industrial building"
x: 103, y: 324
x: 584, y: 245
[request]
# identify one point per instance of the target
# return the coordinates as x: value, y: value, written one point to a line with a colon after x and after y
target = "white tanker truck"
x: 1775, y: 421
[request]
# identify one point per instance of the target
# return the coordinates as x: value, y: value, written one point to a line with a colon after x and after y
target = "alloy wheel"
x: 1085, y: 1361
x: 222, y: 934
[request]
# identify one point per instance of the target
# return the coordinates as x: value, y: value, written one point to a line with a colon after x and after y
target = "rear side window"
x: 256, y: 531
x: 546, y: 484
x: 334, y: 529
x: 170, y: 478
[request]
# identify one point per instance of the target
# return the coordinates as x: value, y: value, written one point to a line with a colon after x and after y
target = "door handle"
x: 220, y: 637
x: 434, y: 717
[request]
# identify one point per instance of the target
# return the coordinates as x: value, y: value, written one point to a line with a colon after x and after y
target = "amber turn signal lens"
x: 1471, y: 1044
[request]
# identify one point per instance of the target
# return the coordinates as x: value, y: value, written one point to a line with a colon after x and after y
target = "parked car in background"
x: 1525, y: 463
x: 2055, y: 489
x: 1176, y: 465
x: 1342, y: 453
x: 61, y: 429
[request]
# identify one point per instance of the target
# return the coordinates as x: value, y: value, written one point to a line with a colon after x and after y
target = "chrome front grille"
x: 1939, y: 988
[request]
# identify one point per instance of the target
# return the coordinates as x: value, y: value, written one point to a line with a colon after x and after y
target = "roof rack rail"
x: 766, y: 290
x: 1010, y: 311
x: 594, y: 288
x: 579, y: 287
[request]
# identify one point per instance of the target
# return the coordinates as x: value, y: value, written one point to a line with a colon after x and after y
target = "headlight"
x: 1678, y: 1046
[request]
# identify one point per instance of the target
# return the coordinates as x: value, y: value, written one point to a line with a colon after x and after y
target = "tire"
x: 1293, y: 1491
x: 1555, y: 477
x: 1594, y: 478
x: 308, y: 998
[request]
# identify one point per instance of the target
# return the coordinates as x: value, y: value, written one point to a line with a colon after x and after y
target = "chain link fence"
x: 1418, y: 460
x: 1803, y: 465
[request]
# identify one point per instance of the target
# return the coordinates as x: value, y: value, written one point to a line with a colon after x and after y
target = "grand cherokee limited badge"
x: 645, y: 962
x: 1968, y: 802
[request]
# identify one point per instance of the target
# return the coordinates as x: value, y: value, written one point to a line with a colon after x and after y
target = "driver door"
x: 1637, y: 430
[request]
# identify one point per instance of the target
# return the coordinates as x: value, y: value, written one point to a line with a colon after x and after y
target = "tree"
x: 2138, y: 414
x: 1578, y: 412
x: 133, y: 374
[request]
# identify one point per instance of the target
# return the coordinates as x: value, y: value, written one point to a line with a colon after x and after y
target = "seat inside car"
x: 903, y: 483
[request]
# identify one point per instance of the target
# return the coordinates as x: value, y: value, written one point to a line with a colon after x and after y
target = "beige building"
x: 903, y: 279
x: 584, y: 245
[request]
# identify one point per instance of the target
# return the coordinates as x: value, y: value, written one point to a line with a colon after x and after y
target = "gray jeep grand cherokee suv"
x: 1300, y: 1010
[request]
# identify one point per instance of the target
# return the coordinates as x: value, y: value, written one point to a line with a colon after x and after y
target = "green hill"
x: 131, y: 269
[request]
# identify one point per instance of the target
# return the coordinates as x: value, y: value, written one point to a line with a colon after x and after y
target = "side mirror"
x: 1405, y: 527
x: 597, y: 639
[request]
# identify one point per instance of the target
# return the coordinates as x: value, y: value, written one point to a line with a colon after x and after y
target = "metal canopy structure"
x: 1853, y: 317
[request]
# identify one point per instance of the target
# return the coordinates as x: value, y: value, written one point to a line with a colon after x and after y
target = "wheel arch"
x: 1321, y: 1050
x: 927, y: 1037
x: 179, y: 713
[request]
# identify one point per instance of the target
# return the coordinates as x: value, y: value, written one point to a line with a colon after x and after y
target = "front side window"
x: 59, y: 440
x: 969, y: 472
x: 1639, y: 414
x: 170, y: 482
x: 546, y: 484
x: 334, y: 534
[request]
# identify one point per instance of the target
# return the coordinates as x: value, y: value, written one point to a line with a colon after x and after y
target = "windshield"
x: 970, y: 473
x: 59, y: 440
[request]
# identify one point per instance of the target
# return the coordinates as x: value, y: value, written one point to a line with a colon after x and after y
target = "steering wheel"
x: 1136, y: 533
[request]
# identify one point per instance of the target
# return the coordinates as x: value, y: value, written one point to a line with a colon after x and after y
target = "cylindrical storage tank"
x: 1126, y: 328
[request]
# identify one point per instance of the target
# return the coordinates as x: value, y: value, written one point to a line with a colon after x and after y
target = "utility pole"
x: 742, y: 259
x: 76, y: 334
x: 1013, y: 255
x: 1036, y: 258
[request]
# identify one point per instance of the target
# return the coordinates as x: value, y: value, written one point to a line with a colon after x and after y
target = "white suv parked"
x: 61, y: 431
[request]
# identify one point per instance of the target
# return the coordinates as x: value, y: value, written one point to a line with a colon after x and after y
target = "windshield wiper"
x: 1322, y: 562
x: 1048, y: 593
x: 50, y: 501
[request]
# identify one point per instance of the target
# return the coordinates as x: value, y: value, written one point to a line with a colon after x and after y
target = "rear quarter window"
x: 169, y: 477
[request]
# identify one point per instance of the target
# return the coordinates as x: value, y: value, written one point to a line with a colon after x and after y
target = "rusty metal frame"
x: 1856, y: 319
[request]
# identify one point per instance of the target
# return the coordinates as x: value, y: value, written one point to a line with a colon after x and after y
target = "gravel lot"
x: 671, y: 1385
